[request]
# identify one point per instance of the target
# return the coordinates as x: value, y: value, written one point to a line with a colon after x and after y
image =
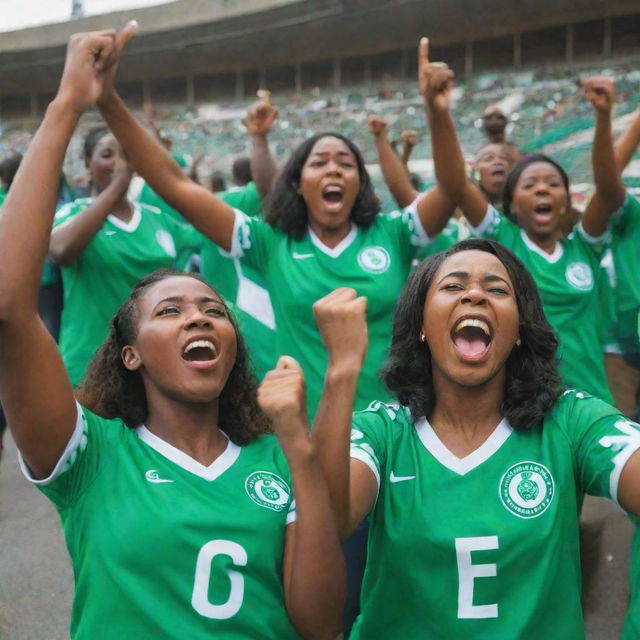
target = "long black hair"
x: 532, y: 381
x: 112, y: 391
x: 286, y: 209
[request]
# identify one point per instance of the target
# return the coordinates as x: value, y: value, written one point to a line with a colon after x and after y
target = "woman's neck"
x: 191, y: 428
x: 330, y: 237
x: 546, y: 243
x: 464, y: 417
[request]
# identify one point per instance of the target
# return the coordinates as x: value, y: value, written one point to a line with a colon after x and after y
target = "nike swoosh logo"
x: 153, y: 476
x: 109, y: 233
x: 394, y: 478
x: 301, y: 256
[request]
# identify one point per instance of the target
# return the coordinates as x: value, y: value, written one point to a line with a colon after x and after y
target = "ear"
x: 131, y: 358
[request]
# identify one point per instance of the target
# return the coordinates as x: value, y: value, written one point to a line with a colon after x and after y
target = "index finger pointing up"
x: 423, y: 52
x: 125, y: 34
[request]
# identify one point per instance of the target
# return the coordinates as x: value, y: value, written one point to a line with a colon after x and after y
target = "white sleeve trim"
x: 72, y: 446
x: 236, y: 250
x: 484, y: 225
x: 602, y: 239
x: 292, y: 515
x: 621, y: 460
x: 424, y: 238
x: 358, y: 454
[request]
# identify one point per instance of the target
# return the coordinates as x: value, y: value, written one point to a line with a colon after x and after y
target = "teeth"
x: 200, y: 343
x: 473, y: 322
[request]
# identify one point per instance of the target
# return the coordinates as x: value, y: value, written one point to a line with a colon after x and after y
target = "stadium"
x: 199, y: 65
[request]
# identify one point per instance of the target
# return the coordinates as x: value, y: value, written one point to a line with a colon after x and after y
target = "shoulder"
x: 71, y: 208
x: 384, y: 414
x: 575, y: 410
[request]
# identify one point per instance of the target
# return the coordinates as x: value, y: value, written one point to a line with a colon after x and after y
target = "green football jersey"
x: 243, y: 285
x: 485, y: 546
x: 567, y: 282
x: 165, y: 547
x: 101, y: 278
x: 374, y: 261
x: 625, y: 238
x: 631, y: 628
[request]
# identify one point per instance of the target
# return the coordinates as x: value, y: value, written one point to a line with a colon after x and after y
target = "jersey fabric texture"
x: 242, y: 285
x: 568, y: 284
x: 484, y: 546
x: 164, y: 547
x: 374, y: 261
x: 625, y: 228
x: 102, y: 276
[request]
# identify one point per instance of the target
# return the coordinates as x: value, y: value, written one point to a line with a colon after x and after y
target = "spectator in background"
x: 494, y: 126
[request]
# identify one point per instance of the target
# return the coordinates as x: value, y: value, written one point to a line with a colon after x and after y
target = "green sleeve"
x: 253, y: 241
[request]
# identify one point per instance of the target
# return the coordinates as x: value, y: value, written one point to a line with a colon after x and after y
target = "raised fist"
x: 600, y: 92
x: 260, y: 115
x: 377, y: 126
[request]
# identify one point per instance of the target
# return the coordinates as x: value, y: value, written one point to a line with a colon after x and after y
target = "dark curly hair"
x: 516, y: 172
x: 286, y: 209
x: 112, y: 391
x: 532, y: 382
x: 94, y: 135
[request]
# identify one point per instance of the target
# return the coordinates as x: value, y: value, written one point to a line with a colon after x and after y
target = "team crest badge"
x: 374, y: 259
x: 579, y: 275
x: 268, y: 490
x: 527, y: 489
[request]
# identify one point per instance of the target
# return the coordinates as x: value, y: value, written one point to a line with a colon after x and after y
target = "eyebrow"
x: 464, y: 275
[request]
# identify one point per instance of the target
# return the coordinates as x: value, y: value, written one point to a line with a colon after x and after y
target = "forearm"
x: 627, y: 143
x: 263, y: 166
x: 315, y: 578
x: 69, y: 240
x: 332, y: 436
x: 212, y: 217
x: 450, y: 170
x: 150, y: 159
x: 30, y: 207
x: 610, y: 192
x: 395, y: 173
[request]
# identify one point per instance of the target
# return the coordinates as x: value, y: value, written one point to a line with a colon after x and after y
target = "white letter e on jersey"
x: 468, y: 572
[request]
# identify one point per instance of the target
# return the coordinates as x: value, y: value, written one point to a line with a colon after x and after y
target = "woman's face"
x: 470, y: 318
x: 329, y: 184
x: 106, y: 157
x: 493, y: 164
x: 540, y: 199
x: 186, y: 343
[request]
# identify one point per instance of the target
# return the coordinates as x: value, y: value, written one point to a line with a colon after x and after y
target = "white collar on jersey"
x: 213, y: 471
x: 345, y: 243
x: 549, y: 257
x: 462, y: 466
x: 130, y: 226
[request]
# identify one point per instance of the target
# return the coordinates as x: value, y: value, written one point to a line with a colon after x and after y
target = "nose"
x: 333, y: 167
x: 541, y: 187
x: 196, y: 319
x: 474, y: 295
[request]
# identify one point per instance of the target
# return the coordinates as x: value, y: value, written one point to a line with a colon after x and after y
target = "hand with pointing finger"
x: 600, y: 92
x: 435, y: 79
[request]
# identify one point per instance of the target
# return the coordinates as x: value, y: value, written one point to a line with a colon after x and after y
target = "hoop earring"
x: 518, y: 342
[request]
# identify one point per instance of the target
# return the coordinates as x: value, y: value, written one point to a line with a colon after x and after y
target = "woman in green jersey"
x: 473, y: 481
x: 537, y: 194
x: 182, y: 515
x: 107, y: 233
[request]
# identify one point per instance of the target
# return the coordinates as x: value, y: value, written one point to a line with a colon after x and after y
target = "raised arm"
x: 211, y: 216
x: 314, y: 572
x: 34, y: 387
x: 436, y: 82
x: 610, y: 191
x: 69, y: 240
x: 260, y: 118
x: 341, y: 318
x: 409, y: 139
x: 627, y: 143
x: 393, y: 170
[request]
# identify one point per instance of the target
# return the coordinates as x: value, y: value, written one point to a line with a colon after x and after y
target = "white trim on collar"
x: 345, y: 243
x: 462, y: 466
x: 552, y: 258
x: 130, y: 226
x: 213, y: 471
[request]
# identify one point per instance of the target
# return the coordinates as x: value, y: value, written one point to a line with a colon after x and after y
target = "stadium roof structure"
x: 191, y: 37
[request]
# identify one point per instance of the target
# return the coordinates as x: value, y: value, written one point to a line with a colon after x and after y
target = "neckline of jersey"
x: 344, y: 244
x: 130, y: 226
x: 552, y: 258
x: 462, y: 466
x: 186, y: 462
